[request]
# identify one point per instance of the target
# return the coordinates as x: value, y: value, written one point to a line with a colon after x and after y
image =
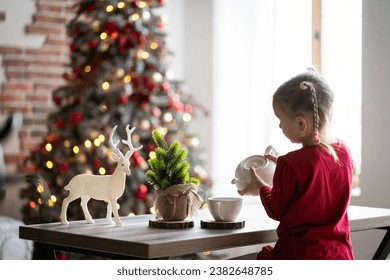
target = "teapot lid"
x: 255, y: 161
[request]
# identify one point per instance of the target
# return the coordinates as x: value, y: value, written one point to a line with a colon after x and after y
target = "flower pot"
x: 177, y: 202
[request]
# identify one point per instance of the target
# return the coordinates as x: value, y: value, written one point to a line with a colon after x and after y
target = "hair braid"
x: 316, y: 116
x: 315, y: 107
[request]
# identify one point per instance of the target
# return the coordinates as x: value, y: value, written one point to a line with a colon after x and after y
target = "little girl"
x: 311, y: 186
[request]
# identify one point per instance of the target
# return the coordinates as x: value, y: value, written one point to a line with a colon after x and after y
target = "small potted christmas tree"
x: 176, y: 192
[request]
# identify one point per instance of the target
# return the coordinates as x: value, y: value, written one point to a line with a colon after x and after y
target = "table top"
x: 135, y: 238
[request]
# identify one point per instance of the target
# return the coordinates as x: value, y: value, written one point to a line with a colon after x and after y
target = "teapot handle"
x: 270, y: 150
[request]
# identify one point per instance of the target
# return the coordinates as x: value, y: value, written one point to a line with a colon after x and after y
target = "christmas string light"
x: 187, y: 117
x: 105, y: 86
x: 127, y: 79
x: 97, y: 142
x: 76, y: 150
x: 144, y: 55
x: 153, y: 45
x: 32, y: 204
x: 103, y: 36
x: 88, y: 143
x: 142, y: 4
x: 102, y: 171
x: 134, y: 17
x: 109, y: 8
x: 152, y: 154
x: 66, y: 143
x: 49, y: 164
x: 48, y: 147
x: 40, y: 188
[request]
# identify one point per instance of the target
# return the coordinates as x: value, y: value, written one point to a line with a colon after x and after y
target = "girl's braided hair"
x: 308, y: 93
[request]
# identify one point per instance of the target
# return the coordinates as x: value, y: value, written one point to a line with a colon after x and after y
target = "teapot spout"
x: 240, y: 184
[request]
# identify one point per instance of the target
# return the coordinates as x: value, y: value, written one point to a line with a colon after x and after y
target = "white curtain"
x: 258, y: 45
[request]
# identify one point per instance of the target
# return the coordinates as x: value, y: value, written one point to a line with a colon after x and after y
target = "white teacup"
x: 224, y: 209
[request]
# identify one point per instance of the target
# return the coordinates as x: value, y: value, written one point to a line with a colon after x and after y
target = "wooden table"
x: 135, y: 239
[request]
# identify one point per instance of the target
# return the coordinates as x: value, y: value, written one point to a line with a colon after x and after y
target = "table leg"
x: 384, y: 248
x: 44, y: 251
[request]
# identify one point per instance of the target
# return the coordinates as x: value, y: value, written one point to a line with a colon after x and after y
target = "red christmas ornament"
x: 137, y: 159
x: 160, y: 25
x: 123, y: 100
x: 144, y: 105
x: 141, y: 192
x: 142, y: 41
x: 53, y: 138
x: 96, y: 163
x: 176, y: 104
x: 56, y: 100
x: 67, y: 76
x: 135, y: 81
x: 149, y: 84
x: 111, y: 27
x: 156, y: 112
x: 77, y: 100
x: 77, y: 71
x: 188, y: 108
x: 63, y: 167
x: 75, y: 117
x: 73, y: 47
x: 77, y: 31
x: 93, y: 43
x: 165, y: 86
x: 59, y: 124
x: 90, y: 7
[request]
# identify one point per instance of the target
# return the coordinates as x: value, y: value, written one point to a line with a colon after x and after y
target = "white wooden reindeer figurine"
x: 102, y: 187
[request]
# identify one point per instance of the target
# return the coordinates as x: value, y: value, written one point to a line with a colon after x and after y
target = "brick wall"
x: 32, y: 74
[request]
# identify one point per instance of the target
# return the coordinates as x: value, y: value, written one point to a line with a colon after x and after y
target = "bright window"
x: 259, y: 45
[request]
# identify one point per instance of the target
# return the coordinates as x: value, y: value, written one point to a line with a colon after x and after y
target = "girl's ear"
x: 302, y: 124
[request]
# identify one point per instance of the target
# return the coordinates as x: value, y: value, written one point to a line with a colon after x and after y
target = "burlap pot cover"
x: 177, y: 202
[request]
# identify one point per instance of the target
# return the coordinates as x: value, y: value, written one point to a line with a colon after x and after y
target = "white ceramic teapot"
x: 265, y: 168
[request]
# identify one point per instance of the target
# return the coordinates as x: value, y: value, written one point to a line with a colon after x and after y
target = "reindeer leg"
x: 109, y: 214
x: 84, y: 206
x: 64, y: 208
x: 115, y: 212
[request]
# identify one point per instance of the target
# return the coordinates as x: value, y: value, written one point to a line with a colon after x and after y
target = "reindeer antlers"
x: 128, y: 143
x: 113, y: 146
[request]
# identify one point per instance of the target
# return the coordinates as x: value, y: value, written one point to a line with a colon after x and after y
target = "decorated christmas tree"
x: 118, y: 75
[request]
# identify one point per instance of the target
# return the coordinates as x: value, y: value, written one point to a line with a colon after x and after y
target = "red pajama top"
x: 310, y: 196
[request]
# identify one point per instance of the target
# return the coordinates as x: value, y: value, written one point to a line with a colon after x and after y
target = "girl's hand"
x: 260, y: 182
x: 255, y: 185
x: 272, y: 157
x: 271, y: 153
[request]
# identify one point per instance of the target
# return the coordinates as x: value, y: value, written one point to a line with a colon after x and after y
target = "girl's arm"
x: 277, y: 200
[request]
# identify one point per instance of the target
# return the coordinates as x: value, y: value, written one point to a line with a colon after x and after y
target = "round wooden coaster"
x: 171, y: 224
x: 222, y: 225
